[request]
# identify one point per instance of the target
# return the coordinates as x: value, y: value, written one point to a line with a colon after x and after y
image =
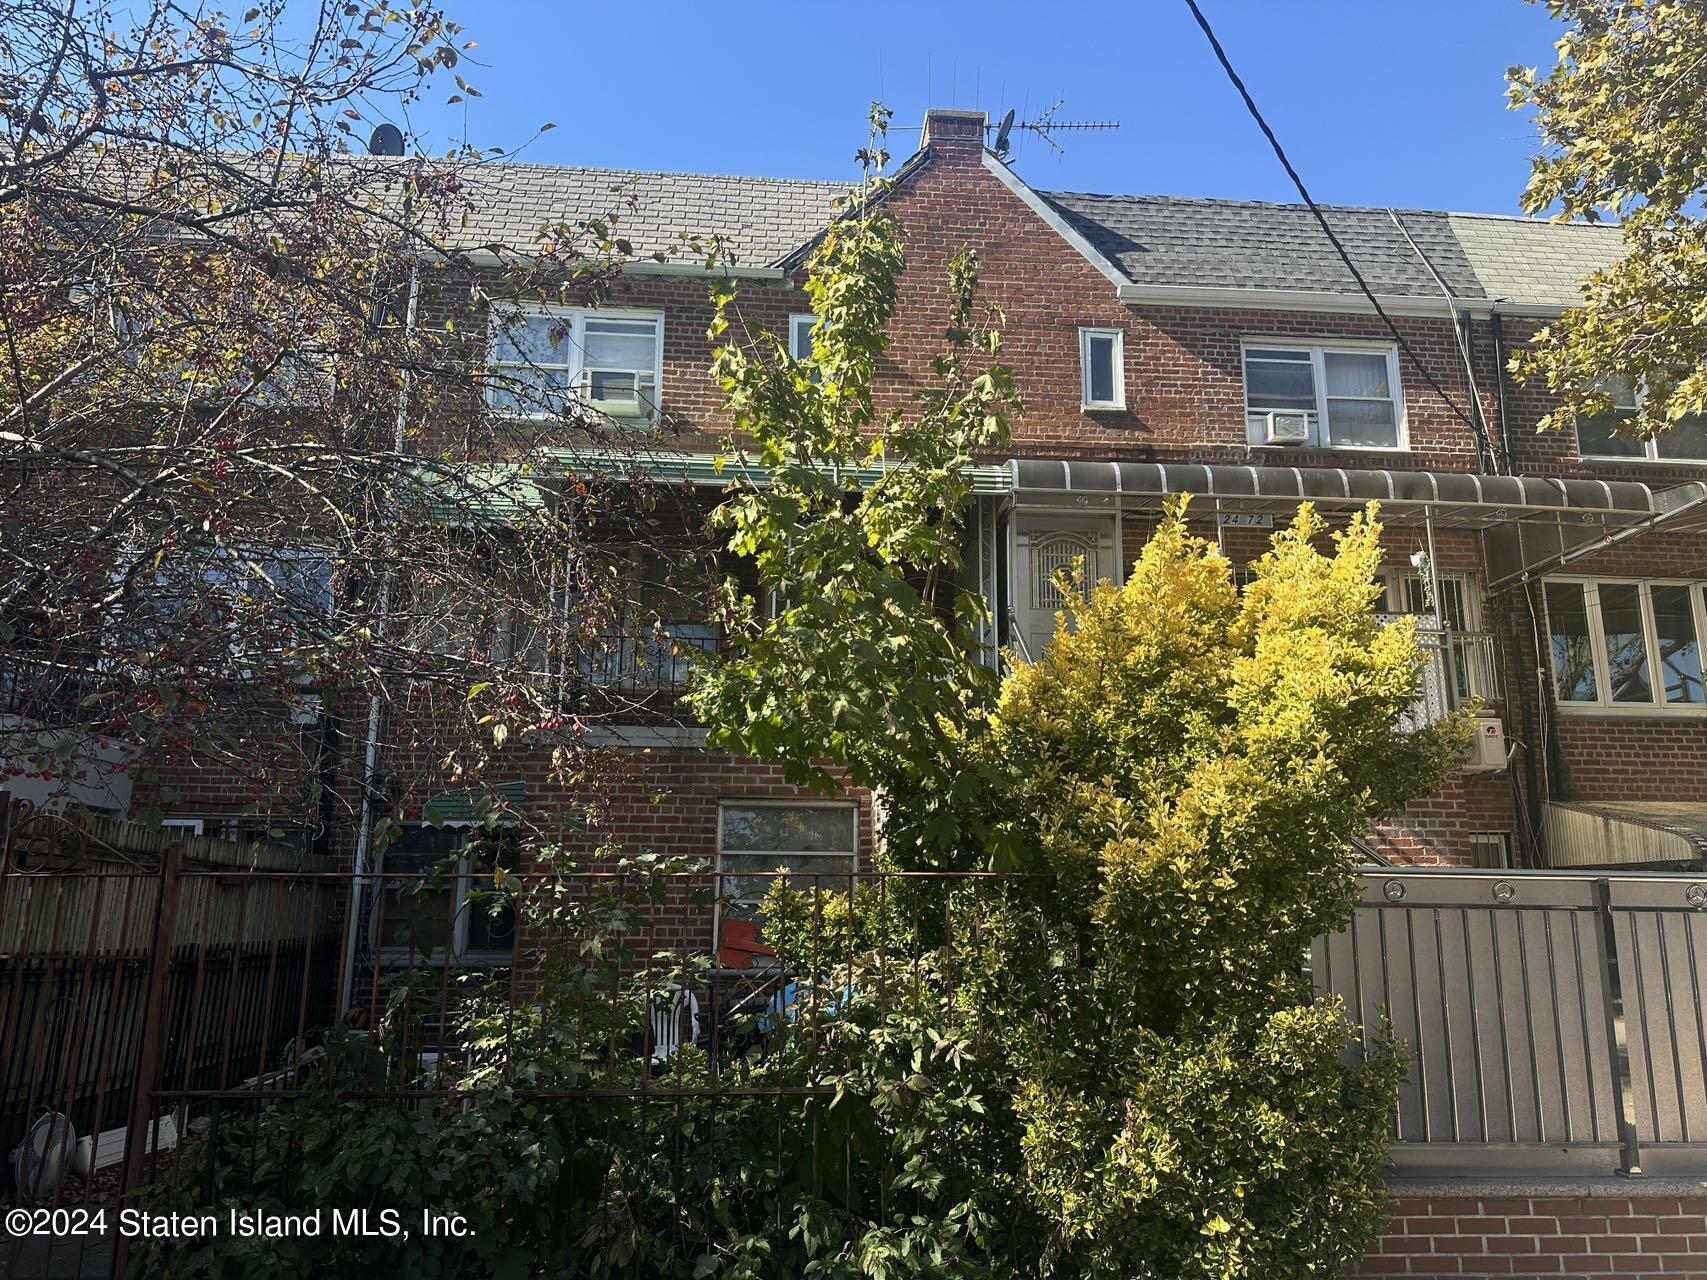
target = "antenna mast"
x: 1044, y: 126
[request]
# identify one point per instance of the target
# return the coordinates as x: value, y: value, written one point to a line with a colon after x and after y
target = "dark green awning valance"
x: 471, y: 807
x: 701, y: 469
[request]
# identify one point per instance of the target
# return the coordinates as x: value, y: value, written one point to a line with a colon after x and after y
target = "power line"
x: 1280, y: 152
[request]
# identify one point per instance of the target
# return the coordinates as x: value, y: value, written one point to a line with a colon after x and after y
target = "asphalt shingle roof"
x: 1171, y: 240
x: 1159, y: 240
x: 762, y: 219
x: 1541, y: 262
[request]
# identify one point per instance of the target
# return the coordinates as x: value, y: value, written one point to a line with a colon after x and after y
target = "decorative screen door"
x: 1050, y: 550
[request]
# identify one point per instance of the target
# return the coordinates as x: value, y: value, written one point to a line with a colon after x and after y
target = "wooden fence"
x: 79, y: 909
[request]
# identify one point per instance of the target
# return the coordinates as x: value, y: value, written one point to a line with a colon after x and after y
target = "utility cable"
x: 1298, y: 182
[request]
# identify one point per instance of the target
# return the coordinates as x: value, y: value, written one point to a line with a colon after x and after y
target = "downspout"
x: 370, y: 759
x: 1496, y: 326
x: 1537, y: 714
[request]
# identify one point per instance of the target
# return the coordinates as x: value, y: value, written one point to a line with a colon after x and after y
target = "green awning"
x: 473, y: 807
x: 701, y: 470
x: 482, y: 495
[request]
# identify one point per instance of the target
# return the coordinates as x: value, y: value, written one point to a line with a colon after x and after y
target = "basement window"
x: 1102, y: 373
x: 756, y: 839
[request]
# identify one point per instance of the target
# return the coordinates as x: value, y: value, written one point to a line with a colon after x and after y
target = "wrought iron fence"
x: 189, y: 1002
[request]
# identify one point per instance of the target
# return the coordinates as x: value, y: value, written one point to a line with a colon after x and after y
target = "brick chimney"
x: 954, y: 130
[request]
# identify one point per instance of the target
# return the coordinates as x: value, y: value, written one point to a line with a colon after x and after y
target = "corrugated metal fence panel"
x: 1518, y: 996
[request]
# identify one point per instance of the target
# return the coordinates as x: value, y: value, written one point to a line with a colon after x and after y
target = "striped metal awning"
x: 1651, y: 834
x: 1534, y: 522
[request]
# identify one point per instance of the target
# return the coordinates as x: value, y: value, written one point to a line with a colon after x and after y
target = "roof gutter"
x: 1168, y: 295
x: 639, y: 267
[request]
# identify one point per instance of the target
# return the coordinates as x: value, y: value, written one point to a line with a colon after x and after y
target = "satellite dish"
x: 1002, y: 131
x: 39, y: 1163
x: 386, y: 140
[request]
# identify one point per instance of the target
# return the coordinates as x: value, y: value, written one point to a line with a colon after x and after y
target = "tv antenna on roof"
x: 1044, y: 125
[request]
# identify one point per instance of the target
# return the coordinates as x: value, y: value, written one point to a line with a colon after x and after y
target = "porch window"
x: 1474, y: 671
x: 647, y: 618
x: 757, y: 838
x: 1624, y: 645
x: 1331, y: 396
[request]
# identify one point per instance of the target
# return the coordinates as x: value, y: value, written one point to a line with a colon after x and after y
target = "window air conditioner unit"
x: 1487, y: 750
x: 1286, y: 428
x: 618, y: 393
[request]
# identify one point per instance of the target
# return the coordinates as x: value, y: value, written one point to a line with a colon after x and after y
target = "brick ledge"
x: 1586, y: 1188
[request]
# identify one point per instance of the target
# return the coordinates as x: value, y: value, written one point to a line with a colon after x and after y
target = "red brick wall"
x: 1185, y: 403
x: 1542, y: 1237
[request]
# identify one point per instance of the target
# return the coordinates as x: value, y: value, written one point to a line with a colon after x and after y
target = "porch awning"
x: 1538, y: 521
x: 701, y: 470
x: 470, y: 807
x: 1654, y: 834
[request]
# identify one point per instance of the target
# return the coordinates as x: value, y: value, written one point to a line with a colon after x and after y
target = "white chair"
x: 674, y: 1023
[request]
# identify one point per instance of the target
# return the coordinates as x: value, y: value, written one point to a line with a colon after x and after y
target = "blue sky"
x: 1385, y: 102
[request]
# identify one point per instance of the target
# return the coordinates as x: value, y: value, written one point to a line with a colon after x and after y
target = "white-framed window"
x: 1102, y: 369
x: 215, y: 604
x: 758, y: 838
x: 1470, y: 666
x: 182, y: 826
x: 1685, y: 442
x: 543, y: 359
x: 1625, y: 645
x: 800, y: 335
x: 1330, y: 395
x: 436, y: 902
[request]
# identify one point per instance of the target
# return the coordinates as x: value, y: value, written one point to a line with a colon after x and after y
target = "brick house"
x: 1167, y: 345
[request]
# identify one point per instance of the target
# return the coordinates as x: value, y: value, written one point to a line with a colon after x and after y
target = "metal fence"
x: 190, y: 997
x: 1555, y: 1021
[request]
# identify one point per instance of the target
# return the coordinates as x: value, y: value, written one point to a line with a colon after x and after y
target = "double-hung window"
x: 216, y: 605
x: 1102, y: 371
x: 1686, y: 441
x: 542, y: 361
x: 1626, y: 645
x: 756, y: 839
x: 1340, y: 396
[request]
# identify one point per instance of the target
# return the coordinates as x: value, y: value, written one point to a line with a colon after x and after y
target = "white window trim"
x: 574, y: 347
x: 1604, y: 707
x: 1392, y: 576
x: 743, y: 802
x: 1119, y: 371
x: 457, y: 952
x: 795, y: 322
x: 1650, y: 454
x: 189, y: 826
x: 1321, y: 428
